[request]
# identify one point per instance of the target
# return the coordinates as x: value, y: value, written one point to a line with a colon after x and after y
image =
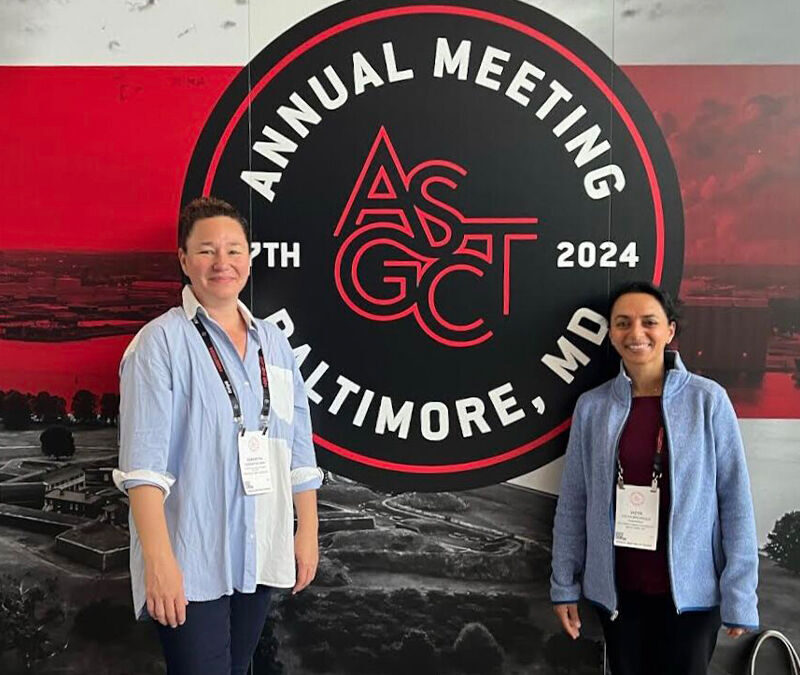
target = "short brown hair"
x: 207, y: 207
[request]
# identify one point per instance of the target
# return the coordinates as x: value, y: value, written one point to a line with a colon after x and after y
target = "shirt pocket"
x: 281, y: 392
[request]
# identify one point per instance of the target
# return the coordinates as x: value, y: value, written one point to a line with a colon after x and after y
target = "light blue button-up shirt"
x: 177, y: 432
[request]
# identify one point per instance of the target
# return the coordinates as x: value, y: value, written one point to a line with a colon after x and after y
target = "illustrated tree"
x: 109, y: 407
x: 16, y: 411
x: 477, y: 651
x: 57, y: 441
x: 783, y: 543
x: 61, y: 408
x: 29, y: 612
x: 46, y: 407
x: 416, y: 652
x: 84, y: 406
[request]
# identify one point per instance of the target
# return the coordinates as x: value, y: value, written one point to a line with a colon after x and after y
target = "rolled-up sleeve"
x: 145, y: 418
x: 305, y: 474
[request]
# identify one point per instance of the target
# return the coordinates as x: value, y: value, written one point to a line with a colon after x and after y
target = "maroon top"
x: 636, y: 569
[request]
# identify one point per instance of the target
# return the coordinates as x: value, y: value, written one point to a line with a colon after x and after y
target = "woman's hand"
x: 570, y: 621
x: 735, y: 631
x: 163, y: 581
x: 166, y: 601
x: 306, y: 546
x: 306, y: 553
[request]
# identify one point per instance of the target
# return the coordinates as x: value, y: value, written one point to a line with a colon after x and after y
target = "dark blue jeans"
x: 219, y: 637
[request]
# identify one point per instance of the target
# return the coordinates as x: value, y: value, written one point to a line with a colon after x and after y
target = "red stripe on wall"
x: 93, y: 159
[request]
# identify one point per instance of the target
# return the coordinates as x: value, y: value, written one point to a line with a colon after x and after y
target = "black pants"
x: 649, y: 637
x: 219, y: 637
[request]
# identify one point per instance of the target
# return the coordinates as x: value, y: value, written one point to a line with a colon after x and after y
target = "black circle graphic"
x: 442, y: 197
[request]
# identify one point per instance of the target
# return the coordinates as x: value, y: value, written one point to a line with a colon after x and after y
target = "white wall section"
x: 225, y: 32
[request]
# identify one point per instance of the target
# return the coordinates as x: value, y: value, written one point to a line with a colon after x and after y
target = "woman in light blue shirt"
x: 215, y: 445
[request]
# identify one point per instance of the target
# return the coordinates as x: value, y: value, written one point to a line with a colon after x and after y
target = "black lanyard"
x: 237, y: 409
x: 658, y: 458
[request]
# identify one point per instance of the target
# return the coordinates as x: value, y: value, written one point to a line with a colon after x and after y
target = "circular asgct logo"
x: 441, y: 198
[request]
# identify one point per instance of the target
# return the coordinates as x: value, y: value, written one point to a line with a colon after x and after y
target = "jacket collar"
x: 191, y: 305
x: 675, y: 377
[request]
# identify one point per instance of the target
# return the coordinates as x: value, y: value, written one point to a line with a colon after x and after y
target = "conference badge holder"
x: 254, y: 463
x: 636, y: 521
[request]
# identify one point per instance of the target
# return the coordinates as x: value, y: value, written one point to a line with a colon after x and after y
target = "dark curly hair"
x: 207, y: 207
x: 671, y: 306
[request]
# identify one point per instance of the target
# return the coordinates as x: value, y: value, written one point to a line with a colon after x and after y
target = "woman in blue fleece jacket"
x: 659, y: 434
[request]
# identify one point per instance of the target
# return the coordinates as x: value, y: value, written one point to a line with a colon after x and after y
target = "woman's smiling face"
x: 216, y: 259
x: 640, y: 329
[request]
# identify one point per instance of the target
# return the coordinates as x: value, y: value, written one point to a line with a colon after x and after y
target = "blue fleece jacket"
x: 712, y: 550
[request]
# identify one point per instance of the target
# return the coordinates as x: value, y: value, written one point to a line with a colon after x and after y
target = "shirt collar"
x: 191, y: 304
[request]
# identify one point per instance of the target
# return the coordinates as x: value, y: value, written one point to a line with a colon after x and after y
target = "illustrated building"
x: 98, y: 545
x: 83, y: 504
x: 98, y: 478
x: 68, y: 478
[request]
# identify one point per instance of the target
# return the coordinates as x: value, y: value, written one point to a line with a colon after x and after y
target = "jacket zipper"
x: 614, y: 470
x: 668, y: 543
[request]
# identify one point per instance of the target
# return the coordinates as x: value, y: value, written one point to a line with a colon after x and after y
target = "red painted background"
x: 94, y: 158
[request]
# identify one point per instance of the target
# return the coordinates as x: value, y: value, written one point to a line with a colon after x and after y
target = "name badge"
x: 254, y: 463
x: 636, y: 522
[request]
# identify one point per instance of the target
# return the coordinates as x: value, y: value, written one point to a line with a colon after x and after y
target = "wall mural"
x: 469, y: 274
x: 441, y: 197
